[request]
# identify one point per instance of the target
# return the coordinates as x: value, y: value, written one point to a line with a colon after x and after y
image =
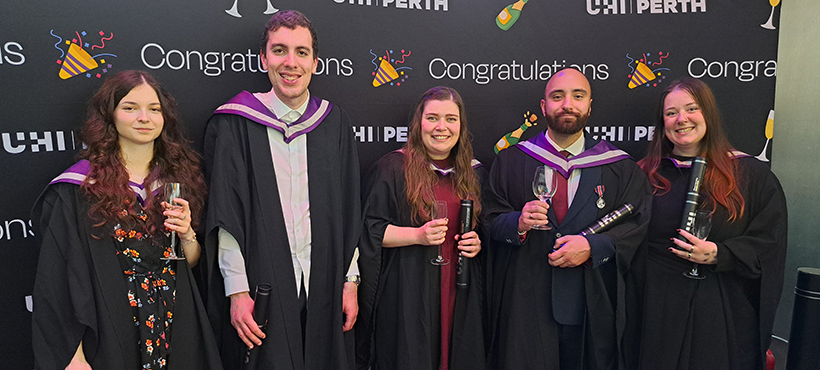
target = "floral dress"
x: 151, y: 286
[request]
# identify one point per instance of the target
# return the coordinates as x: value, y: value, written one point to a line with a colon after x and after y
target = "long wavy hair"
x: 174, y: 159
x: 418, y: 175
x: 720, y: 183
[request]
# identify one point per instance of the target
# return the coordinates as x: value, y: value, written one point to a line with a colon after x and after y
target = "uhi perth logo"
x: 16, y: 228
x: 483, y: 73
x: 611, y: 7
x: 214, y: 63
x: 377, y: 134
x: 75, y: 54
x: 12, y: 53
x: 38, y: 142
x: 646, y: 72
x: 744, y: 71
x: 435, y: 5
x: 621, y: 133
x: 387, y: 70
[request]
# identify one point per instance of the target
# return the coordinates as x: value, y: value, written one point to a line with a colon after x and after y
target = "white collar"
x: 279, y: 108
x: 574, y: 149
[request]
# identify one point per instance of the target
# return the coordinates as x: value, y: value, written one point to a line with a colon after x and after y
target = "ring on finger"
x: 689, y: 255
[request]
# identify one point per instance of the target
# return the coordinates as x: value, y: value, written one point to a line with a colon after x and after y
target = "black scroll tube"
x: 693, y: 194
x: 260, y: 315
x: 465, y: 225
x: 610, y: 219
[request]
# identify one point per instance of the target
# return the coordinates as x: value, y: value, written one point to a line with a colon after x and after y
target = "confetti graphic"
x: 642, y: 74
x: 386, y: 71
x: 77, y: 60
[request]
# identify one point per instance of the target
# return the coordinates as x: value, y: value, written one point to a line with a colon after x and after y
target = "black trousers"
x: 571, y: 347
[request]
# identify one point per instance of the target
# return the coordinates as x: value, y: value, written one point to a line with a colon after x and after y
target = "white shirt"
x: 291, y: 169
x: 574, y: 149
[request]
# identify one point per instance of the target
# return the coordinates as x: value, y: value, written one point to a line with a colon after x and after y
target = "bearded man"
x: 554, y: 295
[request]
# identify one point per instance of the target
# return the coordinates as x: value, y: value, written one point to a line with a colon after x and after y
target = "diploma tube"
x: 692, y: 195
x: 610, y: 219
x: 465, y: 225
x: 260, y: 315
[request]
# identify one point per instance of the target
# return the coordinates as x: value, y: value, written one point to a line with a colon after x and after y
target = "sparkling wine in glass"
x: 702, y: 227
x: 544, y: 184
x: 171, y: 191
x: 440, y: 211
x: 769, y: 25
x: 769, y: 135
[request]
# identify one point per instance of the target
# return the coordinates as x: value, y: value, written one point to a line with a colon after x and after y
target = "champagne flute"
x: 173, y: 190
x: 440, y: 211
x: 768, y: 25
x: 769, y: 135
x: 544, y: 185
x: 702, y: 227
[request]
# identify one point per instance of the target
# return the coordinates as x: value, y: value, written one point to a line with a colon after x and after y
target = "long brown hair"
x: 174, y: 159
x: 720, y: 182
x: 418, y: 175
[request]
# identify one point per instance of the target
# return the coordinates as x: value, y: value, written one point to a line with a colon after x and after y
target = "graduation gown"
x: 528, y: 297
x: 80, y: 295
x: 244, y: 201
x: 399, y: 325
x: 725, y: 320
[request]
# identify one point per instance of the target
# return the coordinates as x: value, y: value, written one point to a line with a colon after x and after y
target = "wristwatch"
x: 356, y: 279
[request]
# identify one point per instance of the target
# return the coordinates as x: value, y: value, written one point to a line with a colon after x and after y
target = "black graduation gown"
x: 80, y: 295
x: 244, y: 201
x: 399, y: 325
x: 523, y: 327
x: 725, y: 320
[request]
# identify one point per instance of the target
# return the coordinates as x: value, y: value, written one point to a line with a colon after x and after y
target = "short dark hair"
x: 289, y: 19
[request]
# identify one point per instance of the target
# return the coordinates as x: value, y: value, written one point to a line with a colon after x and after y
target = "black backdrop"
x: 204, y: 55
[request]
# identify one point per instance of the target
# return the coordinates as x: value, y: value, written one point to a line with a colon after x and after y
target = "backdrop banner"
x: 376, y: 58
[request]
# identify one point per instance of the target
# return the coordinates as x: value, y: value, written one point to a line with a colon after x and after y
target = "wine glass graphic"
x: 234, y: 12
x: 769, y: 133
x: 768, y: 25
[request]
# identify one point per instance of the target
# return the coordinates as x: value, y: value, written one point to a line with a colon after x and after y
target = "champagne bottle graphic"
x: 514, y: 137
x: 507, y: 17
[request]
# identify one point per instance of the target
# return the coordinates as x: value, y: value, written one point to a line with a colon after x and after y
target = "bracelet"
x: 184, y: 242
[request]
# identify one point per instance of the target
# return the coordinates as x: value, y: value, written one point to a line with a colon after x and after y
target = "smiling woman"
x: 404, y: 293
x: 138, y: 117
x: 103, y: 284
x: 723, y: 321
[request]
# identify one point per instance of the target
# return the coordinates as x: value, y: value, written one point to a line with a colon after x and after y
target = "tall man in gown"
x: 284, y: 210
x: 554, y: 294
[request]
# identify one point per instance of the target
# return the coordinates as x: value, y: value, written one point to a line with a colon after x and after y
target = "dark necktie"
x: 559, y: 201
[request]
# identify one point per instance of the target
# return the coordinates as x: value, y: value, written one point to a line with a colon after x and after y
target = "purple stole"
x: 247, y: 105
x: 77, y: 174
x: 600, y: 154
x: 687, y: 164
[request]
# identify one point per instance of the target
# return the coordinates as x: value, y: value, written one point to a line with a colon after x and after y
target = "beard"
x: 567, y: 126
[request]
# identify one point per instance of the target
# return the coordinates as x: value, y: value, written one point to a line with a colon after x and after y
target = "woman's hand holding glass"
x: 469, y: 244
x: 433, y: 232
x: 178, y: 218
x: 697, y: 250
